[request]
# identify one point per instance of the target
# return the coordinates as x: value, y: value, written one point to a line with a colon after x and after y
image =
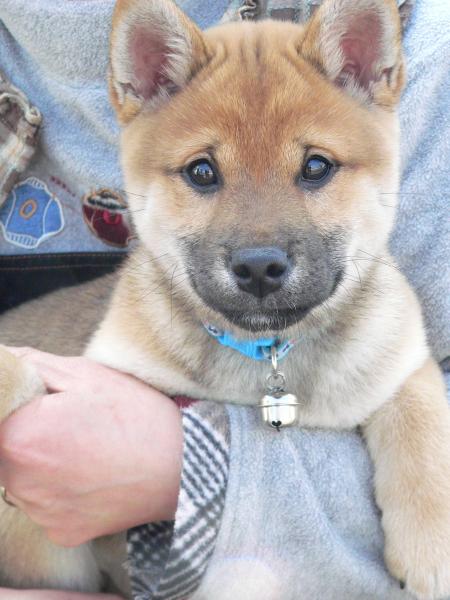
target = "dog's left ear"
x: 357, y: 44
x: 155, y: 50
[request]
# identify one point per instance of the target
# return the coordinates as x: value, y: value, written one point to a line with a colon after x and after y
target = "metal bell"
x: 280, y: 410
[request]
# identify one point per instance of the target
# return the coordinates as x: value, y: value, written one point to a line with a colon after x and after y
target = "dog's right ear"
x: 155, y: 50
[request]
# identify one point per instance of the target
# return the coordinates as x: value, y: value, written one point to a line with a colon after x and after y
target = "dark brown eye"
x: 316, y: 170
x: 202, y: 175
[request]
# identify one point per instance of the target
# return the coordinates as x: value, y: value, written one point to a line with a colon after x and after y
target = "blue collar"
x: 256, y: 349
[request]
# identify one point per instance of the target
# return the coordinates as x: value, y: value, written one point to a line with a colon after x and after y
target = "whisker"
x: 378, y: 259
x: 171, y: 296
x: 348, y: 278
x: 359, y: 274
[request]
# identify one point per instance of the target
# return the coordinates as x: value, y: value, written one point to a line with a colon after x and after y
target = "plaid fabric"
x: 19, y: 126
x: 168, y: 560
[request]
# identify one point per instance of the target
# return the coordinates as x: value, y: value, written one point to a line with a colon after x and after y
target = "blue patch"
x: 257, y: 349
x: 31, y: 214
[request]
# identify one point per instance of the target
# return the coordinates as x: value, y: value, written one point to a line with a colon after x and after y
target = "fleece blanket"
x: 296, y: 517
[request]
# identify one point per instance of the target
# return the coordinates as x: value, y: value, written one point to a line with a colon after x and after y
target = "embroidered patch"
x: 105, y: 211
x: 31, y: 214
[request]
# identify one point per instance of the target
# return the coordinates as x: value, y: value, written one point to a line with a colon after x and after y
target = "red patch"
x: 184, y: 401
x: 105, y: 212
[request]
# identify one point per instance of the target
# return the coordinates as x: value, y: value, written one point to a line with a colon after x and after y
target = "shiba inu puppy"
x: 257, y: 157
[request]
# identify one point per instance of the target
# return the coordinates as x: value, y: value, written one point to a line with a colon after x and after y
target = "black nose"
x: 259, y: 271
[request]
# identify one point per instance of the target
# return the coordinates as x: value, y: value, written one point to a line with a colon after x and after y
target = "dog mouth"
x: 272, y: 318
x: 268, y: 287
x: 257, y: 321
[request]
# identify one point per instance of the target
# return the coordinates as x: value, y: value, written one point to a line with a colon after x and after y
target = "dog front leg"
x: 409, y: 441
x: 19, y: 383
x: 27, y: 557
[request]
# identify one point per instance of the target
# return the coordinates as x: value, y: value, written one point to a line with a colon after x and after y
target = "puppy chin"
x: 275, y: 323
x: 252, y: 325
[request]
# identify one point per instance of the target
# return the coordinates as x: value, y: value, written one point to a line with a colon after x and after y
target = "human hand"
x: 99, y: 454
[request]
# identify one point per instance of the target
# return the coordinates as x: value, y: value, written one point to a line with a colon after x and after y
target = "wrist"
x: 160, y: 462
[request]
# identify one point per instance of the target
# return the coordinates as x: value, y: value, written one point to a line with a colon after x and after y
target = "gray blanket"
x: 298, y: 517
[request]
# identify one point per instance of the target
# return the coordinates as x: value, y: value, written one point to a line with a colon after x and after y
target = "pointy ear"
x: 357, y: 45
x: 155, y: 51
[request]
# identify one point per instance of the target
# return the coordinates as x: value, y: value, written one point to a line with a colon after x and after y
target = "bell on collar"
x: 279, y: 410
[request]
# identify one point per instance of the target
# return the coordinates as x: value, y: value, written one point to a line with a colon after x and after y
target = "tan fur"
x: 261, y: 97
x: 408, y: 441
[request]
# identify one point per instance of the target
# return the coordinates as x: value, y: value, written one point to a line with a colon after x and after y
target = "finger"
x: 56, y: 379
x: 57, y: 372
x: 28, y: 352
x: 11, y: 500
x: 64, y: 373
x: 78, y: 374
x: 39, y: 357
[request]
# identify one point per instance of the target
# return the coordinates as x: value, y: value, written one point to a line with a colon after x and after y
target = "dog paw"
x: 19, y: 383
x: 417, y: 553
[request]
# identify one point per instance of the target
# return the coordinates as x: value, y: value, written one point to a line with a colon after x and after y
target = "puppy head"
x: 261, y: 159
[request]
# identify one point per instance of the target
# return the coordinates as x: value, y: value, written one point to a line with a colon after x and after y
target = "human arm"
x: 58, y: 450
x: 99, y: 454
